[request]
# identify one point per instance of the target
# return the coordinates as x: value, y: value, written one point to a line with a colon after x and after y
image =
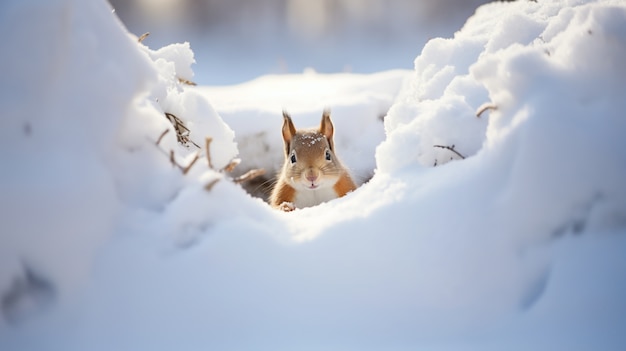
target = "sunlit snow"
x: 114, y: 236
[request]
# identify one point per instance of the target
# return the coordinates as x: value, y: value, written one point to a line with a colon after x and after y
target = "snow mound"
x: 86, y: 105
x: 555, y: 77
x: 117, y: 243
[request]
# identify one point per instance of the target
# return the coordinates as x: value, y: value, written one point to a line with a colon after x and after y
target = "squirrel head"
x: 310, y: 161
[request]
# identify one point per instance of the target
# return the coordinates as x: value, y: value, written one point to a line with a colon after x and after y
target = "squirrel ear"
x: 326, y: 128
x: 289, y: 130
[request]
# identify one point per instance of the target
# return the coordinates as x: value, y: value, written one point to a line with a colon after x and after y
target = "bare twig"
x: 210, y: 184
x: 182, y: 132
x: 161, y: 136
x: 484, y: 107
x: 451, y: 148
x: 251, y: 174
x: 142, y: 37
x: 229, y: 167
x: 193, y: 161
x: 173, y: 159
x: 186, y: 81
x: 208, y: 151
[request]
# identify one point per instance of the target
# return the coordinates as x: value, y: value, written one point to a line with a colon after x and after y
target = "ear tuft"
x: 326, y: 128
x: 289, y: 130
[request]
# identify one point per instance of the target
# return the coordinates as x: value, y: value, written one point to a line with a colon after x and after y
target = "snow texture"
x: 106, y: 244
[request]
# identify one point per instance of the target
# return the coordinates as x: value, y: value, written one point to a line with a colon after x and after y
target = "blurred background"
x: 238, y: 40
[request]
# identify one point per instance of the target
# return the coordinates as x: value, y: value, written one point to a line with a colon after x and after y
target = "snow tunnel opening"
x: 355, y: 147
x: 262, y: 186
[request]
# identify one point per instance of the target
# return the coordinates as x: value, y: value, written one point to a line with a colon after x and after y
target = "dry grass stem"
x: 451, y: 148
x: 484, y: 107
x: 195, y: 158
x: 182, y: 135
x: 173, y: 159
x: 208, y: 151
x: 231, y: 166
x: 142, y: 37
x: 187, y: 82
x: 251, y: 174
x: 210, y: 184
x: 182, y: 132
x: 161, y: 136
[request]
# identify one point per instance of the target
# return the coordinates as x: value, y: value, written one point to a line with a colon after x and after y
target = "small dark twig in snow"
x: 161, y: 136
x: 173, y: 159
x: 208, y: 151
x: 182, y: 132
x: 484, y: 107
x: 251, y: 174
x: 142, y: 37
x: 186, y: 81
x: 451, y: 148
x: 186, y: 169
x: 231, y: 166
x: 210, y: 184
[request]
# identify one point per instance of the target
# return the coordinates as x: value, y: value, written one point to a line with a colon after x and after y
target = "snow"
x: 107, y: 244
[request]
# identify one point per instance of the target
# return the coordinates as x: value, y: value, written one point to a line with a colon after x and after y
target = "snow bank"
x: 556, y: 81
x: 518, y: 246
x: 464, y: 245
x: 63, y: 108
x: 84, y: 107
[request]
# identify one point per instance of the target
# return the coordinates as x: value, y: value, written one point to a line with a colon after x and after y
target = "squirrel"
x: 312, y: 173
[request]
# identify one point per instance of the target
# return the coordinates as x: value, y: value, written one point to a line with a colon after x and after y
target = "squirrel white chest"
x: 308, y: 198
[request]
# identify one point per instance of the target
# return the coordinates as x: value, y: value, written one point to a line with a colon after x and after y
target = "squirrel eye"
x: 327, y: 155
x: 293, y: 158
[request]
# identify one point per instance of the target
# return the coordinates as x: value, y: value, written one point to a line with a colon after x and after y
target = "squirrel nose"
x: 311, y: 176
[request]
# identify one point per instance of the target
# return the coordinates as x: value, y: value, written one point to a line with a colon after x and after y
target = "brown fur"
x: 344, y: 185
x: 283, y: 192
x: 309, y: 147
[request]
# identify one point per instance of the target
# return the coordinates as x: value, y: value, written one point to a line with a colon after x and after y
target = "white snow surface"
x: 105, y: 245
